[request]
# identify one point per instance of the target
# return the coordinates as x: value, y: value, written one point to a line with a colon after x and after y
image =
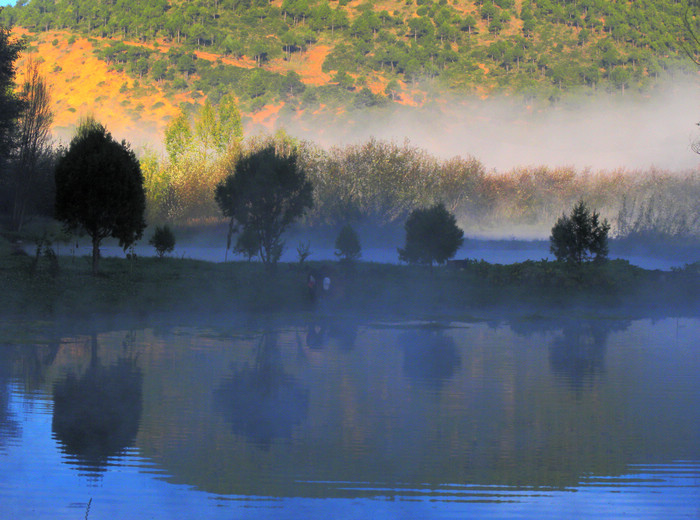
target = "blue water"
x: 577, y: 419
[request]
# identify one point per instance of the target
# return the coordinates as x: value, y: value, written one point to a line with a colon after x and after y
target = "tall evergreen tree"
x: 580, y: 236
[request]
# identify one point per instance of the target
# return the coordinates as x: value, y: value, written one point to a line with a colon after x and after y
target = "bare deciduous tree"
x: 34, y: 138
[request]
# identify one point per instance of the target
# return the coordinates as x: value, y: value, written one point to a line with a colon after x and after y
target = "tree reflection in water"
x: 24, y: 365
x: 578, y: 355
x: 577, y: 352
x: 9, y: 427
x: 429, y: 356
x: 262, y: 402
x: 96, y: 415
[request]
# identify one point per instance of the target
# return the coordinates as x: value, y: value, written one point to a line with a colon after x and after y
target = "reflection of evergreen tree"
x: 429, y: 356
x: 578, y: 355
x: 96, y: 415
x: 262, y: 403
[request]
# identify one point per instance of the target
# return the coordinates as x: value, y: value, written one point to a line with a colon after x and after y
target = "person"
x: 326, y: 285
x: 311, y: 286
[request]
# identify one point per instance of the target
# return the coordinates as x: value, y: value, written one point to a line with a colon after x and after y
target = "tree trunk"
x: 95, y: 255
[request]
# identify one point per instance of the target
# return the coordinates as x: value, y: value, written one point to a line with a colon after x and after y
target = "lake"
x: 322, y: 417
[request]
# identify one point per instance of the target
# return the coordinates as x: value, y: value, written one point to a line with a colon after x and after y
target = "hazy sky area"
x: 601, y: 133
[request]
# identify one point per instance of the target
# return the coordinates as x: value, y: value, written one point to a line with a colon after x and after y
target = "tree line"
x: 382, y: 182
x: 100, y: 191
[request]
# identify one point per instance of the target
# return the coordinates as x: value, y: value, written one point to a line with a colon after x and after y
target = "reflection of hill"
x: 96, y: 416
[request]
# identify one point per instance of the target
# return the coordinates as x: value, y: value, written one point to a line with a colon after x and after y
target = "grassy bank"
x: 49, y: 287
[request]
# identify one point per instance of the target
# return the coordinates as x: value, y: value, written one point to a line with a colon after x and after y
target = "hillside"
x: 82, y: 84
x: 315, y: 62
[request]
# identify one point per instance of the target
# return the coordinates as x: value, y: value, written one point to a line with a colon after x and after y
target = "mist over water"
x: 599, y: 132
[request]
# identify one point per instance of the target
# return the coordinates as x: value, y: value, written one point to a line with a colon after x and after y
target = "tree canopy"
x: 432, y: 235
x: 551, y: 45
x: 265, y: 193
x: 99, y: 188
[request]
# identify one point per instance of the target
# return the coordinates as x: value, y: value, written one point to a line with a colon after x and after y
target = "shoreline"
x: 201, y: 290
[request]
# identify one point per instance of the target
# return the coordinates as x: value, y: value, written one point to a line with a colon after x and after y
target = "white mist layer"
x: 603, y: 133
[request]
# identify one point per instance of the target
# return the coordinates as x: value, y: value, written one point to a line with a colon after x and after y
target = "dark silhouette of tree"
x: 266, y: 192
x: 432, y: 235
x: 99, y: 188
x: 34, y: 146
x: 10, y: 103
x: 347, y: 244
x: 580, y: 236
x: 163, y: 240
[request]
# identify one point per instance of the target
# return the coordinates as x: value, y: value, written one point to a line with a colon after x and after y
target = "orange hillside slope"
x: 82, y: 85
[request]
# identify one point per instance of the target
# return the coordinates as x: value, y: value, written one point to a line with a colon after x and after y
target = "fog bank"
x: 602, y: 132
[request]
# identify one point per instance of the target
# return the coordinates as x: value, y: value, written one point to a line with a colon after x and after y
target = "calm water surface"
x: 342, y: 419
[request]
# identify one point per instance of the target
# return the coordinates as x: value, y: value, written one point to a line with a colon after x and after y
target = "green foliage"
x: 560, y: 43
x: 347, y: 244
x: 432, y: 235
x: 385, y: 181
x: 99, y: 188
x: 265, y: 192
x: 580, y: 236
x: 178, y: 136
x: 163, y: 240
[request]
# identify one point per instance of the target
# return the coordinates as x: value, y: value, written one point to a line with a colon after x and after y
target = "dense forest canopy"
x: 376, y: 52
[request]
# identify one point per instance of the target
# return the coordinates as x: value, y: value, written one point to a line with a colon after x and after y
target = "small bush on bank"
x: 163, y: 240
x: 347, y: 244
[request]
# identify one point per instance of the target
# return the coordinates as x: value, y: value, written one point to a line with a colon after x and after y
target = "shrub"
x: 432, y: 235
x: 347, y: 244
x: 163, y: 240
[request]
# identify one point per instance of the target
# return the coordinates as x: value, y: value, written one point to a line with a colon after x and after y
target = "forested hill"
x: 315, y: 56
